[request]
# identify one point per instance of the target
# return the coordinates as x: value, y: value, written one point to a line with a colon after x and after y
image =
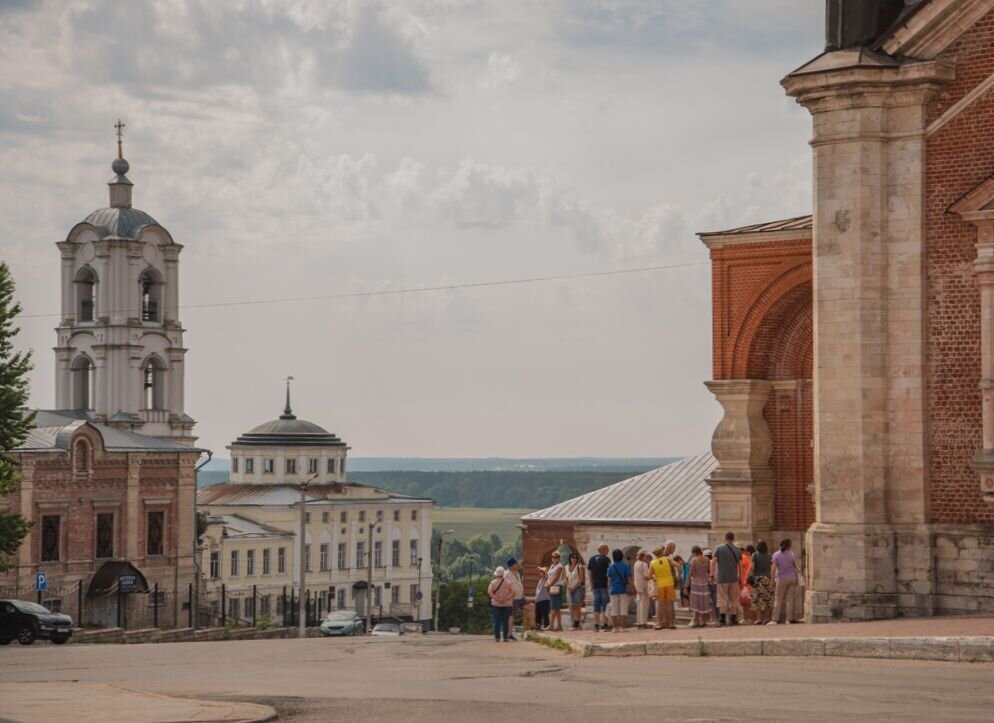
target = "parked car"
x: 342, y: 622
x: 415, y: 628
x: 388, y: 630
x: 26, y: 622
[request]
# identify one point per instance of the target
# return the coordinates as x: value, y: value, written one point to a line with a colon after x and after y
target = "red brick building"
x: 854, y: 350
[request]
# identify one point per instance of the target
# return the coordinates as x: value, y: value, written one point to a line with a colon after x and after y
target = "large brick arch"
x: 782, y: 343
x: 784, y: 300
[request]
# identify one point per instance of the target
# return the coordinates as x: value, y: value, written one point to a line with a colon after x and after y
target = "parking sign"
x: 41, y: 582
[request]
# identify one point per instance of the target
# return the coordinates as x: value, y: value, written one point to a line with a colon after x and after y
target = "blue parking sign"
x: 41, y: 582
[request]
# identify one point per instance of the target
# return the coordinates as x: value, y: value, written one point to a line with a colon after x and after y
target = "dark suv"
x: 26, y: 622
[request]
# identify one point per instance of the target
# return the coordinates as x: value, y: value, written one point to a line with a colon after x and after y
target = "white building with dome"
x: 250, y: 546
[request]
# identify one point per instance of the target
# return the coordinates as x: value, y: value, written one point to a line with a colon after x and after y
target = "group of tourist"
x: 729, y: 585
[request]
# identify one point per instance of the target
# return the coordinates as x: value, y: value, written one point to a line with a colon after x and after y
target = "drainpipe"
x: 196, y: 548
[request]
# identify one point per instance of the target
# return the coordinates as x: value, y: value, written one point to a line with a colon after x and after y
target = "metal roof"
x: 675, y: 494
x: 119, y: 221
x: 238, y: 526
x: 53, y: 430
x: 797, y: 223
x: 279, y: 494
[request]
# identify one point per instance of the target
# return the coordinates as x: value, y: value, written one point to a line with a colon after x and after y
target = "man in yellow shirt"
x: 662, y: 570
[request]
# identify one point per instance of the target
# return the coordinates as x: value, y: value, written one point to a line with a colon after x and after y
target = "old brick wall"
x: 763, y: 329
x: 959, y: 156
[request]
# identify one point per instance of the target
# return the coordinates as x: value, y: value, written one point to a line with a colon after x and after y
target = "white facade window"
x: 379, y: 515
x: 249, y: 465
x: 395, y: 594
x: 250, y: 562
x: 343, y: 517
x: 267, y: 466
x: 331, y: 466
x: 291, y: 466
x: 341, y: 598
x: 342, y: 554
x: 234, y: 604
x: 312, y: 466
x: 281, y: 561
x: 325, y: 517
x: 377, y: 554
x: 307, y: 557
x: 414, y: 515
x: 264, y: 604
x: 249, y: 607
x: 215, y: 565
x: 414, y: 553
x: 395, y: 553
x: 360, y: 554
x: 266, y: 560
x: 234, y: 563
x: 396, y: 515
x: 362, y: 515
x: 324, y: 556
x: 307, y: 518
x: 234, y: 465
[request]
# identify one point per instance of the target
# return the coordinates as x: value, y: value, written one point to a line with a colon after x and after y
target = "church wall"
x: 958, y: 158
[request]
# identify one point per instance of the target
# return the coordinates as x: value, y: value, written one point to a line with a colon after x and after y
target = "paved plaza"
x: 454, y: 678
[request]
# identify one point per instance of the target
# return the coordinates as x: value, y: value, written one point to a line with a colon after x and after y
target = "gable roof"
x: 239, y: 526
x: 675, y: 494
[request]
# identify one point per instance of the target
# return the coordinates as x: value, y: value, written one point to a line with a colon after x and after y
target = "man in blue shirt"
x: 597, y: 567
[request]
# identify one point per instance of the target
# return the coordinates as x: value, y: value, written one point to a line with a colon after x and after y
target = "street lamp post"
x: 438, y: 589
x: 301, y: 571
x: 469, y: 593
x: 369, y: 580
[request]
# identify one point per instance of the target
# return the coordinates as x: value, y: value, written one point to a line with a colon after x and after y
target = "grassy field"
x: 469, y: 521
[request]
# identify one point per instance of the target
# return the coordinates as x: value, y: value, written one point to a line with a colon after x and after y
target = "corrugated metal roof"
x: 54, y: 427
x: 674, y: 494
x: 797, y: 223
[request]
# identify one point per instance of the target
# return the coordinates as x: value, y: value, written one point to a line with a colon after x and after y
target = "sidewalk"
x: 958, y: 639
x: 96, y: 702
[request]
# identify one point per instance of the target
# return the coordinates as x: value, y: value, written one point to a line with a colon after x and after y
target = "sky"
x: 306, y: 148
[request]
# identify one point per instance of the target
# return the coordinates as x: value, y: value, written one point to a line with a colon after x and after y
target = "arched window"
x: 81, y: 456
x: 150, y: 283
x: 85, y: 284
x: 153, y: 383
x: 82, y: 383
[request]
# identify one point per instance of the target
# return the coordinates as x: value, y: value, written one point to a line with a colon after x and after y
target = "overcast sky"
x: 312, y: 148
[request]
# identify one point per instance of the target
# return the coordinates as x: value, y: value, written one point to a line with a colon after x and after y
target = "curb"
x: 979, y: 649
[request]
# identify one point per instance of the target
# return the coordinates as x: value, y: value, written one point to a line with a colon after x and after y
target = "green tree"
x: 455, y: 611
x: 15, y: 420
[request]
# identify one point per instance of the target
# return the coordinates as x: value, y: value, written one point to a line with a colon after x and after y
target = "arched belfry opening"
x: 153, y: 383
x: 83, y: 374
x: 85, y: 287
x: 151, y: 294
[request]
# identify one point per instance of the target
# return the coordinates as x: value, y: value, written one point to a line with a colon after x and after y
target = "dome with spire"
x: 288, y: 431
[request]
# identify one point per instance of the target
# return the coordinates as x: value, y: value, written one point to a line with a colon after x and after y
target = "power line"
x: 415, y: 289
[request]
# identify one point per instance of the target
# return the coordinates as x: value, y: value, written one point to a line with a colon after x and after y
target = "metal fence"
x: 219, y: 607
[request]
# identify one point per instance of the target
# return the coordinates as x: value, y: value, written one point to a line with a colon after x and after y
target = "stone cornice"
x: 935, y: 27
x: 867, y: 86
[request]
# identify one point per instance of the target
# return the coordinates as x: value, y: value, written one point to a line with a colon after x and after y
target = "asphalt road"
x: 471, y: 680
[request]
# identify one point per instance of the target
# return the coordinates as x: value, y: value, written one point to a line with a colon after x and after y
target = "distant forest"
x: 526, y: 490
x: 492, y: 489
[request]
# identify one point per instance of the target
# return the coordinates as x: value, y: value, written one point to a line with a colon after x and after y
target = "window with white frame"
x: 307, y: 557
x: 395, y: 594
x: 266, y: 560
x: 234, y: 563
x: 414, y: 552
x: 249, y: 465
x: 325, y: 517
x: 281, y: 561
x: 342, y: 554
x: 215, y: 564
x: 312, y: 466
x: 414, y: 515
x: 268, y: 466
x: 324, y: 556
x: 234, y: 465
x: 250, y: 562
x: 341, y: 598
x: 377, y: 554
x: 395, y: 553
x: 331, y: 466
x: 360, y: 554
x: 291, y: 466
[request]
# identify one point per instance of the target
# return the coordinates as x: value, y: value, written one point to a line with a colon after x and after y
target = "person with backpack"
x: 725, y: 571
x: 620, y: 576
x: 501, y: 594
x: 661, y: 568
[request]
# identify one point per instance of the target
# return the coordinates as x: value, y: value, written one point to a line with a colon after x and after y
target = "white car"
x: 387, y: 630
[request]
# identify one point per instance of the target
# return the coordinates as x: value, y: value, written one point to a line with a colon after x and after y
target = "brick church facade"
x: 854, y: 349
x: 108, y: 479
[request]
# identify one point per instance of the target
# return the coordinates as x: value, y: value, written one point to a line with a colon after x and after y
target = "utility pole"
x: 301, y: 570
x: 420, y: 595
x: 438, y: 589
x: 369, y: 579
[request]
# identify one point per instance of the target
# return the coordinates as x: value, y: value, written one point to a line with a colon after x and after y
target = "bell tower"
x: 120, y: 353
